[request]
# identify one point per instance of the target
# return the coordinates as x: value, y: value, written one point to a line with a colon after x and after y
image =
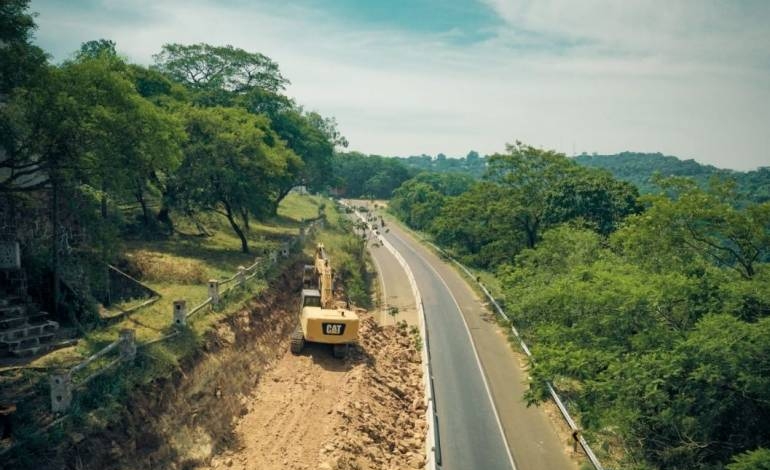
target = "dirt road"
x: 315, y: 412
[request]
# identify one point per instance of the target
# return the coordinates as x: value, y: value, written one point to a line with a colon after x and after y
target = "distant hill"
x: 639, y: 168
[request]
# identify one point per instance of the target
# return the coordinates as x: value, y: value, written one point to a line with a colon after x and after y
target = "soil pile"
x: 315, y: 412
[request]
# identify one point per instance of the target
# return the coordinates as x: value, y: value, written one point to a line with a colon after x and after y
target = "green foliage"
x: 358, y: 175
x: 232, y: 162
x: 753, y: 460
x: 210, y: 69
x: 641, y: 169
x: 697, y: 224
x: 472, y: 165
x: 658, y: 344
x: 526, y: 191
x: 418, y: 201
x: 20, y: 61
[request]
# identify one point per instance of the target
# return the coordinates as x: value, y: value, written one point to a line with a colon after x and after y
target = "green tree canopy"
x: 232, y: 160
x: 209, y: 68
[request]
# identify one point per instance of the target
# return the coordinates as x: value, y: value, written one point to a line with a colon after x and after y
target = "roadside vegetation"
x: 100, y: 155
x: 651, y: 314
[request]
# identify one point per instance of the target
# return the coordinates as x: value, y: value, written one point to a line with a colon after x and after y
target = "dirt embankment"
x: 245, y: 402
x: 181, y: 420
x: 315, y: 412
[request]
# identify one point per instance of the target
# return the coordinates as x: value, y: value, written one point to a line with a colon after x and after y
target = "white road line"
x: 473, y: 345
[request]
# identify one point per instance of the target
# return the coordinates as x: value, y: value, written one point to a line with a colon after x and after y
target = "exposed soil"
x: 245, y: 402
x: 315, y: 412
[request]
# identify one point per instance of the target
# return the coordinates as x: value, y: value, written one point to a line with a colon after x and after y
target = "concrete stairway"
x: 24, y: 331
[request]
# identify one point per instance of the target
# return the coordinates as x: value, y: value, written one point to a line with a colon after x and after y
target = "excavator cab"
x: 320, y: 320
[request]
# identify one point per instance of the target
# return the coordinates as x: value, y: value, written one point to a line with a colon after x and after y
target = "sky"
x: 689, y: 78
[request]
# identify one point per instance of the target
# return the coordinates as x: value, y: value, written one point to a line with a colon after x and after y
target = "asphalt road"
x: 478, y: 381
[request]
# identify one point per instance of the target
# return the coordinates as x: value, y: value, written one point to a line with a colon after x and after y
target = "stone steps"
x: 24, y: 330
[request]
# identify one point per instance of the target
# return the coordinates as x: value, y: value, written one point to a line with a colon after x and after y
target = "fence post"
x: 180, y: 313
x: 61, y: 391
x: 241, y: 276
x: 127, y: 344
x: 273, y: 257
x: 214, y: 293
x: 285, y: 250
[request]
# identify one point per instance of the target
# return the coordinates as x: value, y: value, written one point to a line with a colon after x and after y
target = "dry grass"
x: 161, y: 267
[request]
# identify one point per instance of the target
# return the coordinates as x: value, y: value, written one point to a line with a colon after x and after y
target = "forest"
x: 650, y: 314
x: 642, y: 169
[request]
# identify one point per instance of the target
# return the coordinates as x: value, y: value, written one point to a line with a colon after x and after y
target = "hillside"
x: 639, y: 169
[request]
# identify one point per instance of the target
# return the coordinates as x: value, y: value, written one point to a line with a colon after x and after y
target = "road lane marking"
x: 473, y: 345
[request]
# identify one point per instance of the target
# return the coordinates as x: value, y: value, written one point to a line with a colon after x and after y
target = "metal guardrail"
x: 576, y: 431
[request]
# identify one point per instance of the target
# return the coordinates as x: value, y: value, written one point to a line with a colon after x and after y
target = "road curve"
x: 470, y: 433
x: 478, y: 381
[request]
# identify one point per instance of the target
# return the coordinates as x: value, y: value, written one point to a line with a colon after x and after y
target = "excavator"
x: 320, y: 320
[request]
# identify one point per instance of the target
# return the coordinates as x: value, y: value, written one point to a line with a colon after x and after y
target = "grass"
x: 177, y: 268
x: 180, y: 266
x: 348, y: 256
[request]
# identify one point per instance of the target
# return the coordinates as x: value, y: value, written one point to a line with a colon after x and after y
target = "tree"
x: 207, y: 68
x: 530, y: 176
x: 104, y: 48
x: 419, y: 200
x: 694, y: 224
x: 595, y: 197
x: 232, y: 160
x: 20, y: 61
x: 479, y: 224
x: 359, y: 175
x: 753, y: 460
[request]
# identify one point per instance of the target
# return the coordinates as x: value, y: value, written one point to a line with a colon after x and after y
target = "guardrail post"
x: 241, y: 276
x: 273, y: 257
x: 127, y: 344
x: 61, y: 391
x: 180, y: 313
x: 214, y: 293
x: 285, y: 250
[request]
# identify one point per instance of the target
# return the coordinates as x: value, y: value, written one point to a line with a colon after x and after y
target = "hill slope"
x: 639, y: 169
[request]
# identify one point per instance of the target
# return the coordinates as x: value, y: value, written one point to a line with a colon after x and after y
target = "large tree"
x: 232, y: 161
x: 208, y: 68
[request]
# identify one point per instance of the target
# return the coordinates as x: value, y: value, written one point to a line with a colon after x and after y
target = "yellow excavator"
x: 320, y: 320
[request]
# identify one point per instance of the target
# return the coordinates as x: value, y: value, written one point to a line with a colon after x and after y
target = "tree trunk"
x: 55, y: 240
x: 282, y: 193
x: 142, y: 202
x: 163, y: 215
x: 236, y: 228
x: 245, y: 218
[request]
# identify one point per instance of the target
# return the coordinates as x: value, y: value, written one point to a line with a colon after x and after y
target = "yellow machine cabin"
x: 320, y: 321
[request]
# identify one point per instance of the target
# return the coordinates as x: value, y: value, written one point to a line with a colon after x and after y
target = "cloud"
x: 689, y: 80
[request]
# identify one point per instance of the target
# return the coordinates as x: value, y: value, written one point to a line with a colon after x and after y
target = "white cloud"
x: 593, y: 76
